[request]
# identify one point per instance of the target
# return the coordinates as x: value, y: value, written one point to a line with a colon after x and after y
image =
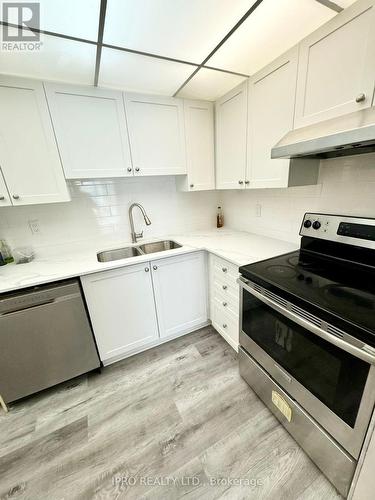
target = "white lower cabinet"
x: 122, y: 310
x: 141, y: 305
x: 224, y: 299
x: 180, y: 293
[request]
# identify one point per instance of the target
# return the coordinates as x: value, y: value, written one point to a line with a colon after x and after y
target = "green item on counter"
x: 6, y: 252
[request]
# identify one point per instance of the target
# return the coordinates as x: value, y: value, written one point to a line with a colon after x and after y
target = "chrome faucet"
x: 135, y: 235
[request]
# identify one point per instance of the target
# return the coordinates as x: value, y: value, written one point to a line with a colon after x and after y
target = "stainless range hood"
x: 346, y: 135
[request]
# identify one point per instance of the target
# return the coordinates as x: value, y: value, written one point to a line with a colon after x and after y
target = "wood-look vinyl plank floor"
x: 176, y: 420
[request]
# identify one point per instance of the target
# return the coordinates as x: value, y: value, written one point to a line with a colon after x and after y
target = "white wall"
x: 98, y: 212
x: 346, y: 186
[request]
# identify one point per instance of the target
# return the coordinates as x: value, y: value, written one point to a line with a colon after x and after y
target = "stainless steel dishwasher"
x: 45, y: 338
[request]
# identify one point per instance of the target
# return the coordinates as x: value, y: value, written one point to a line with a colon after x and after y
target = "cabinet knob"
x: 360, y: 97
x: 137, y: 169
x: 224, y: 269
x: 240, y: 182
x: 147, y: 269
x: 247, y: 182
x: 191, y: 185
x: 225, y: 287
x: 154, y: 267
x: 16, y: 196
x: 129, y: 169
x: 2, y: 198
x: 225, y: 304
x: 225, y: 325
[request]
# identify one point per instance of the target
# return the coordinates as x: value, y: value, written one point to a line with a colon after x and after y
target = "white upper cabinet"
x: 91, y: 131
x: 337, y: 66
x: 157, y: 134
x: 231, y: 138
x: 29, y: 157
x: 200, y: 155
x: 180, y: 293
x: 272, y: 94
x: 4, y: 195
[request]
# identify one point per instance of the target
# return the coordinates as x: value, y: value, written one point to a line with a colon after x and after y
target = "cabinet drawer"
x: 226, y: 324
x: 227, y: 304
x: 226, y: 287
x: 221, y: 267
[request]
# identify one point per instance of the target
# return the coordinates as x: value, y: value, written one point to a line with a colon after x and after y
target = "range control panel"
x: 344, y: 229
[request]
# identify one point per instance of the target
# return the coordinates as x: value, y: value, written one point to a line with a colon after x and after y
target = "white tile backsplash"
x: 99, y: 212
x: 346, y: 186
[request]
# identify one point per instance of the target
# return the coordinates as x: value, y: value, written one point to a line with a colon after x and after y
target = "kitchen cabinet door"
x: 180, y: 286
x: 29, y: 157
x: 231, y: 138
x: 272, y: 94
x: 337, y: 66
x: 91, y: 131
x: 4, y: 195
x: 122, y: 310
x: 200, y: 156
x: 157, y: 134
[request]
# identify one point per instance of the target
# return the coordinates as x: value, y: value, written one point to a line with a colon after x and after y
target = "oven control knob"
x: 308, y: 280
x: 307, y: 223
x: 316, y: 224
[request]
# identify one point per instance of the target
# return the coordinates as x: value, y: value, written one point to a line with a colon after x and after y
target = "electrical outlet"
x: 258, y: 210
x: 34, y: 226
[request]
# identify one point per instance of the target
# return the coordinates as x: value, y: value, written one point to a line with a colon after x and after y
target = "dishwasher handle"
x: 26, y: 307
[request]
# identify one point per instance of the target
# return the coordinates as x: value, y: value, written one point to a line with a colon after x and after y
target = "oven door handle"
x: 332, y: 339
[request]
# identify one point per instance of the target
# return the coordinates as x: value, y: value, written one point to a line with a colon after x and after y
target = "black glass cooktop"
x: 343, y: 290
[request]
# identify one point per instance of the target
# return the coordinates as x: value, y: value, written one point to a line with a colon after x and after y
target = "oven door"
x: 332, y: 380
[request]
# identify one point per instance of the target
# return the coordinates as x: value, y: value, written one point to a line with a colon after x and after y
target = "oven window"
x: 334, y: 376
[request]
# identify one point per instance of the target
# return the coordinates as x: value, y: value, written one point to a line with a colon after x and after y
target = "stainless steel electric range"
x: 307, y: 335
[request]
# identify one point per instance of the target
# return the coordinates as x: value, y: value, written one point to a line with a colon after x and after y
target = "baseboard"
x: 154, y: 343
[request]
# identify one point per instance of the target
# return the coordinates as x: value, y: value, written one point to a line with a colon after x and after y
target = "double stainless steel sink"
x: 136, y: 251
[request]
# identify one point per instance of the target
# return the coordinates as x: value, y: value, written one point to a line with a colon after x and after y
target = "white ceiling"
x: 71, y: 17
x: 209, y: 85
x: 183, y: 29
x: 60, y: 59
x: 134, y: 72
x: 186, y: 30
x: 274, y: 27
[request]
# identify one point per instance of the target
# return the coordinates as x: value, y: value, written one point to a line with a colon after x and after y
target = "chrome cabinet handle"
x: 224, y: 269
x: 2, y: 198
x: 240, y: 182
x: 16, y: 197
x: 225, y: 304
x: 191, y: 185
x: 137, y: 169
x: 225, y: 287
x: 225, y: 325
x: 147, y: 269
x: 360, y: 97
x: 129, y: 169
x: 247, y: 182
x: 154, y: 267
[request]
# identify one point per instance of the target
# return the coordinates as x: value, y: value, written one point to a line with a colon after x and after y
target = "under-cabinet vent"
x: 306, y: 315
x: 335, y: 331
x: 282, y: 302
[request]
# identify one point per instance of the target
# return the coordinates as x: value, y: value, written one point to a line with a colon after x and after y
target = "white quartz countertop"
x: 238, y: 247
